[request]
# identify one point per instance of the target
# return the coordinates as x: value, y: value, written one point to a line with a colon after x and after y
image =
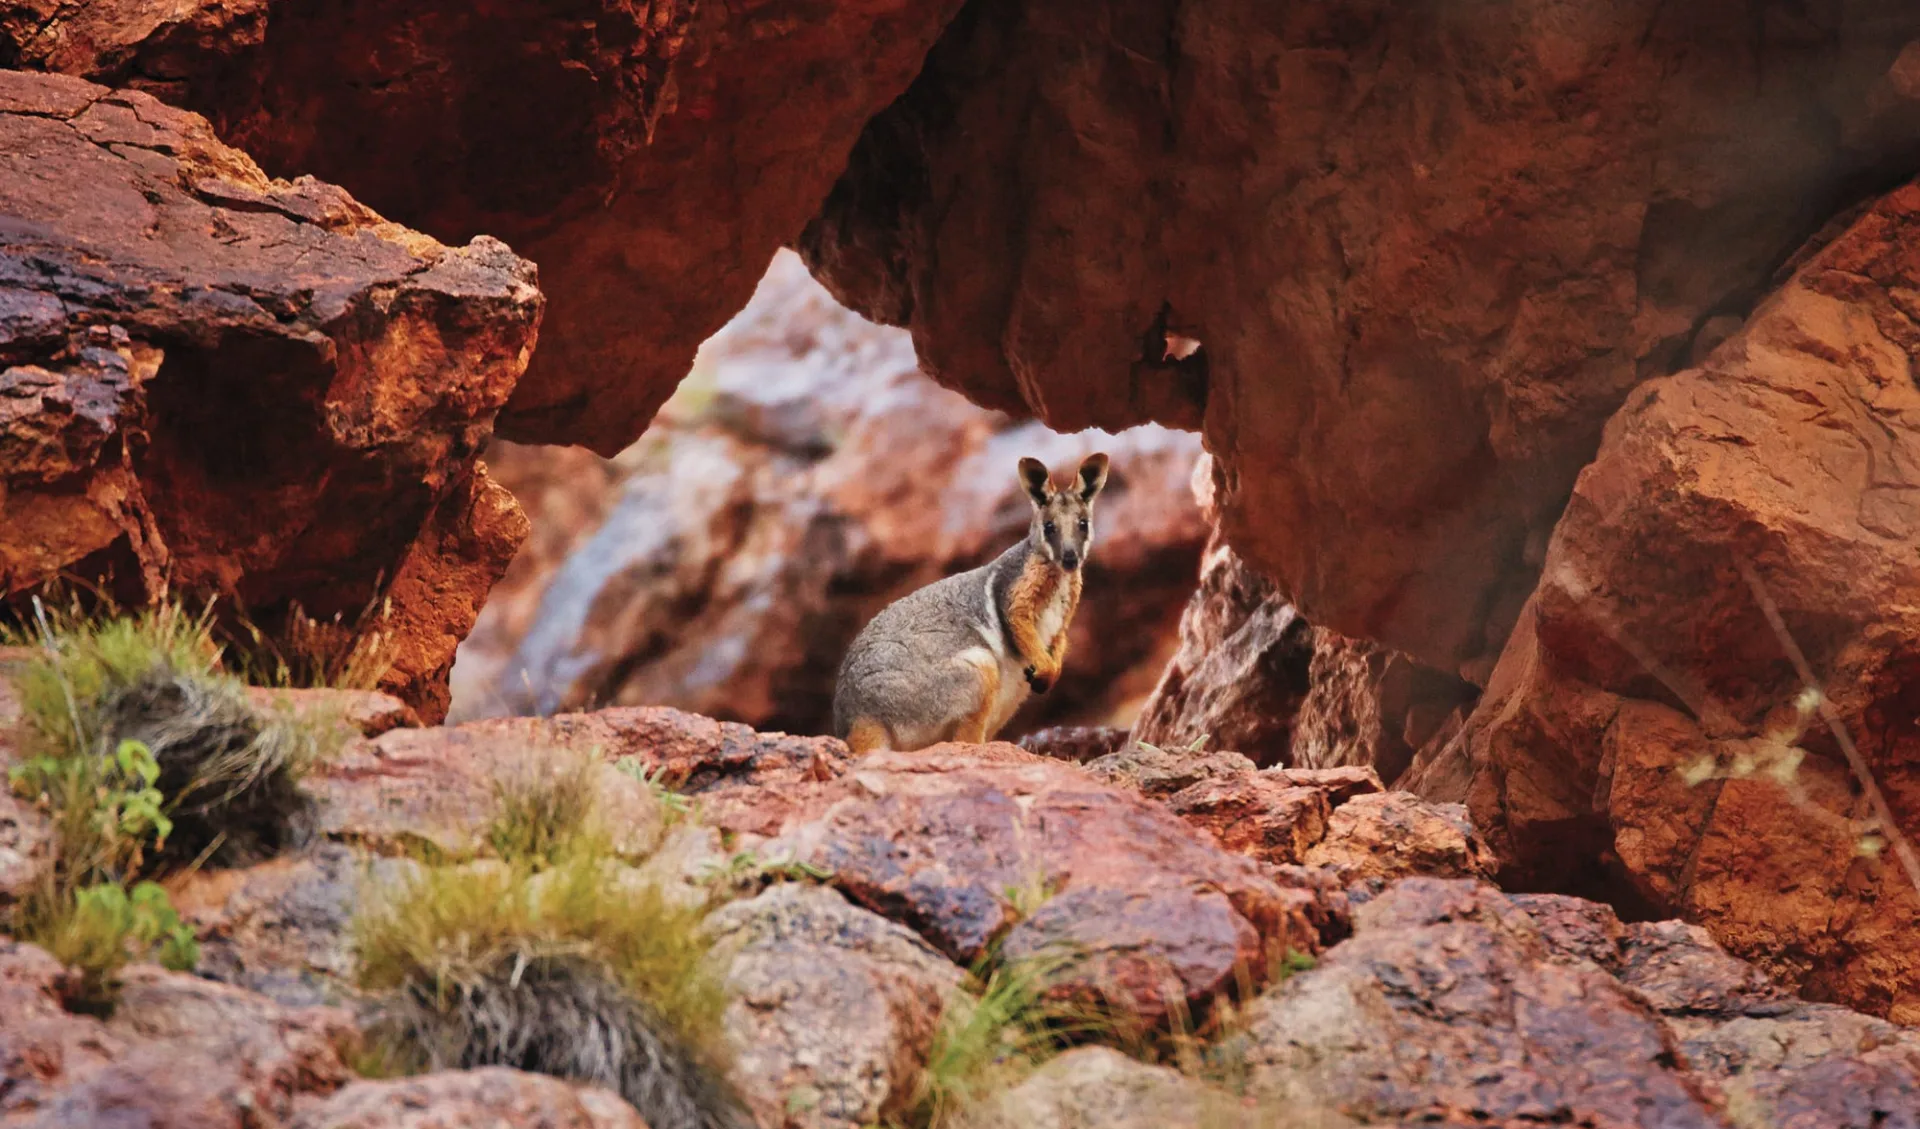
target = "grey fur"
x: 900, y: 669
x: 564, y: 1016
x: 906, y: 668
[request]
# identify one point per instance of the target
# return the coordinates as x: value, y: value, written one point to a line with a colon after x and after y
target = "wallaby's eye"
x: 1083, y: 525
x: 1049, y: 527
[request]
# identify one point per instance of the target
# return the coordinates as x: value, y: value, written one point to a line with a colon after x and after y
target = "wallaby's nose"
x: 1070, y: 559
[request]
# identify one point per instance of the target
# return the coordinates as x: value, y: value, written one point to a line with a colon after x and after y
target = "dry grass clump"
x: 550, y: 958
x: 228, y: 774
x: 146, y: 756
x: 336, y: 653
x: 994, y: 1035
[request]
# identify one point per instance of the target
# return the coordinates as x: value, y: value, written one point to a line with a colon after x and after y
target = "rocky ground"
x: 1430, y: 995
x: 1555, y: 537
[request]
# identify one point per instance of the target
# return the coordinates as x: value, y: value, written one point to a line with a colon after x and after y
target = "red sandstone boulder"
x: 1256, y: 814
x: 1376, y: 838
x: 1424, y: 251
x: 832, y: 1008
x: 1648, y: 724
x: 1337, y: 820
x: 1154, y: 771
x: 213, y: 383
x: 972, y: 844
x: 650, y: 156
x: 804, y: 477
x: 1241, y: 671
x: 1457, y: 1004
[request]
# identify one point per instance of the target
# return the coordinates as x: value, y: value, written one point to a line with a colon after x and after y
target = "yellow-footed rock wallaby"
x: 954, y: 660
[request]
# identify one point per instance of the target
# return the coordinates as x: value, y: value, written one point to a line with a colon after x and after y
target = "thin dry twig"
x: 1902, y: 849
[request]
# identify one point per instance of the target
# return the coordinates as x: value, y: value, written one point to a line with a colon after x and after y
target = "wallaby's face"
x: 1062, y: 529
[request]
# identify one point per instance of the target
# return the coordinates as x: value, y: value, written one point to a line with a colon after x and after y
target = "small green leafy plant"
x: 105, y: 926
x: 107, y: 811
x: 674, y: 805
x: 744, y: 870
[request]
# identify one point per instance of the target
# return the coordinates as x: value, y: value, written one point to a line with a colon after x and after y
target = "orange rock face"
x: 1648, y: 722
x: 650, y: 155
x: 216, y: 383
x: 805, y: 476
x: 1425, y: 251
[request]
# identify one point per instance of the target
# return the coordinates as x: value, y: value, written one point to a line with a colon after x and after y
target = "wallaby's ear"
x: 1036, y: 479
x: 1093, y: 476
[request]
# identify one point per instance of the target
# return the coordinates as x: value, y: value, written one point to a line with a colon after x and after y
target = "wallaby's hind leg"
x: 866, y: 735
x: 973, y: 727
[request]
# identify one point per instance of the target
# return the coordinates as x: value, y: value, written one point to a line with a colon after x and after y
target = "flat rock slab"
x: 282, y: 928
x: 442, y: 786
x: 1446, y: 1004
x: 1376, y: 838
x: 1255, y: 814
x: 1457, y: 1004
x: 1778, y: 1060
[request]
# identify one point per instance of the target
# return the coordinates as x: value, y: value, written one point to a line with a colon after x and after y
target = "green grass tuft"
x: 991, y: 1038
x: 673, y: 806
x: 102, y: 926
x: 551, y: 956
x: 81, y: 659
x: 543, y: 817
x: 1008, y: 1024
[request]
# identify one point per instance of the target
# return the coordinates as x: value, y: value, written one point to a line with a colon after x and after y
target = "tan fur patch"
x: 866, y: 735
x: 974, y: 726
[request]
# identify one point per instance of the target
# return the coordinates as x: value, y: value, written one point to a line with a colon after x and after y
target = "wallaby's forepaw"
x: 1041, y: 683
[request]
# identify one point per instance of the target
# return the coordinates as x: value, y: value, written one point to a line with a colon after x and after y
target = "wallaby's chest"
x: 1042, y: 601
x: 1054, y: 614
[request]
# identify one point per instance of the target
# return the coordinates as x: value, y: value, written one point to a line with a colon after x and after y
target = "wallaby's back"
x: 906, y: 670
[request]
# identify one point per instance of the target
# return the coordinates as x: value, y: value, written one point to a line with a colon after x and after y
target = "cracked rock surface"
x: 212, y: 382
